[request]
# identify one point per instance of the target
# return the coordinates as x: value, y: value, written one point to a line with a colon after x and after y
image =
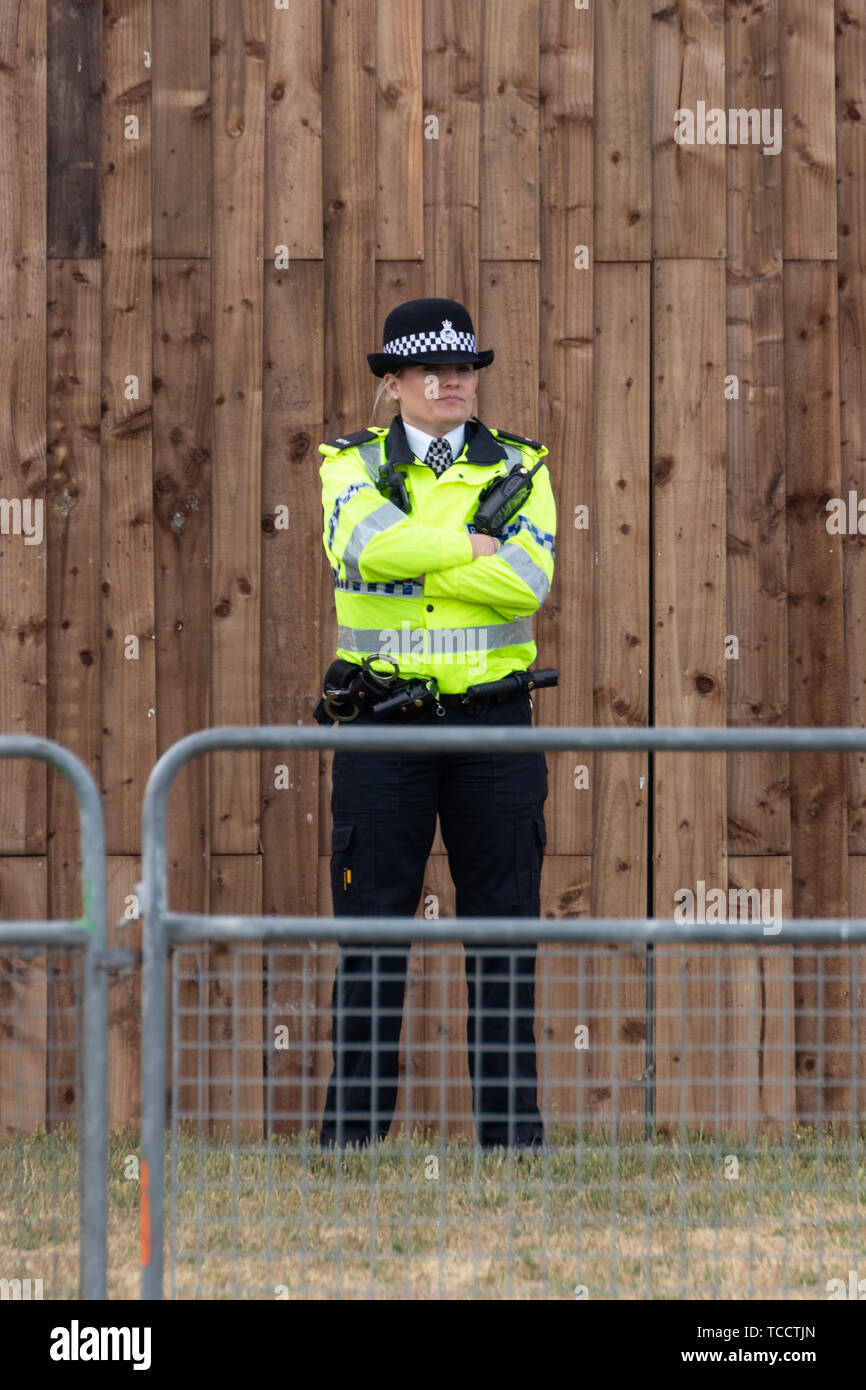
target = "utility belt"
x: 350, y: 689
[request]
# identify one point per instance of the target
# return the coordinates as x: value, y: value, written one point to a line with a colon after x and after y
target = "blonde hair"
x: 383, y: 391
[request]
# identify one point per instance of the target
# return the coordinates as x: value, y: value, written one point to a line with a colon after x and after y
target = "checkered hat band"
x: 416, y: 343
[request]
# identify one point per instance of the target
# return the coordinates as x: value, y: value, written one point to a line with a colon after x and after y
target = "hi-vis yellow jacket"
x: 470, y: 621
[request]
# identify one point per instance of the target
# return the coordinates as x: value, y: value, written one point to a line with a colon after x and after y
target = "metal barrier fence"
x: 656, y: 1179
x: 44, y: 1174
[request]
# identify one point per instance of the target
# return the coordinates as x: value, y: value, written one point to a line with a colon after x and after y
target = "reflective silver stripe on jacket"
x: 369, y: 639
x: 372, y: 456
x: 514, y: 454
x: 526, y: 569
x: 382, y: 519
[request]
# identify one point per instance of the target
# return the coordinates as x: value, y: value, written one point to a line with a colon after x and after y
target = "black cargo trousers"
x: 491, y: 812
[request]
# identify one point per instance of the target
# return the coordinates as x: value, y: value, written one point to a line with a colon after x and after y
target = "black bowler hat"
x: 427, y: 332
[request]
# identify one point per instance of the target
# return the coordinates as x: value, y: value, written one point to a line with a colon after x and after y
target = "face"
x: 435, y: 399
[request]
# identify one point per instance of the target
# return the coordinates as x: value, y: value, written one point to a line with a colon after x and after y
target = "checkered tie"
x: 439, y: 456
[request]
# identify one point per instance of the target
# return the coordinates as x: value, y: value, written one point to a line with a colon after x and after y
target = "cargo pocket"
x: 519, y: 779
x: 345, y: 870
x: 530, y: 837
x: 341, y: 838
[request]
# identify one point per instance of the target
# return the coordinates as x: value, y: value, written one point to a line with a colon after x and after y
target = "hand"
x: 484, y: 545
x: 419, y: 579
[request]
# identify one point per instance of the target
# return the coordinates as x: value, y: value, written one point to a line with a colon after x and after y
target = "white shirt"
x: 419, y: 442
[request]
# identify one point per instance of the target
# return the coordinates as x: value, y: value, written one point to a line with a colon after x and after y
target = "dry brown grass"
x: 640, y: 1221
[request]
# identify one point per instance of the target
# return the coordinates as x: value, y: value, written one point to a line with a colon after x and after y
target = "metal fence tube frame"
x: 162, y: 927
x: 91, y: 933
x: 55, y: 933
x: 186, y: 927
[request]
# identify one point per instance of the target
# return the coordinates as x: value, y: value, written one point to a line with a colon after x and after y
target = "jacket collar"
x: 481, y: 446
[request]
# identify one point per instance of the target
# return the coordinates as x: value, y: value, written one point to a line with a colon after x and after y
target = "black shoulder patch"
x: 517, y: 439
x: 347, y: 441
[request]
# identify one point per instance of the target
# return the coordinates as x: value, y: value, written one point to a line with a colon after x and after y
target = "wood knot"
x: 662, y: 469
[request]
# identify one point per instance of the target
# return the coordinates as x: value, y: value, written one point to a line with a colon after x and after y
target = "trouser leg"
x: 501, y: 1044
x: 492, y: 811
x: 383, y: 827
x: 367, y: 1011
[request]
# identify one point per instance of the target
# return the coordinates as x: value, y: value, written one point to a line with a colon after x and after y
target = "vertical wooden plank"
x: 757, y: 1027
x: 622, y: 111
x: 183, y: 431
x: 22, y: 417
x: 574, y: 1088
x: 452, y: 170
x: 238, y: 1051
x: 851, y: 187
x: 688, y: 536
x: 395, y: 283
x: 74, y: 50
x: 350, y: 326
x: 564, y: 625
x: 688, y: 59
x: 816, y: 657
x: 188, y: 1060
x: 851, y: 160
x: 621, y: 675
x: 74, y: 47
x: 73, y: 532
x: 757, y: 678
x: 756, y: 1058
x: 128, y: 685
x: 124, y: 994
x: 400, y: 134
x: 349, y: 95
x: 238, y: 78
x: 508, y: 320
x: 857, y: 906
x: 291, y: 679
x: 291, y: 1004
x: 23, y: 1002
x: 293, y: 130
x: 807, y: 56
x: 509, y: 131
x: 183, y: 449
x: 181, y: 128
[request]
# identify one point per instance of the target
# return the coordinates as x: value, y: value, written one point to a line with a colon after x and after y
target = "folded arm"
x: 370, y: 539
x: 516, y: 580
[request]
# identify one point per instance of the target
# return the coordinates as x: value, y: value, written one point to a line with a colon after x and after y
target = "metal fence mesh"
x: 41, y: 1011
x: 704, y: 1113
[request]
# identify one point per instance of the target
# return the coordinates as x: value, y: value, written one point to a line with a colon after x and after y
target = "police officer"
x: 422, y: 596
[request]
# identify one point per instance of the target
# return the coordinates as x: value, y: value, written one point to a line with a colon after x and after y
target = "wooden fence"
x: 206, y: 211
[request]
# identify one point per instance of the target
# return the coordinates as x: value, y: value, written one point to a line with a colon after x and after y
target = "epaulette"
x: 348, y: 441
x: 517, y: 438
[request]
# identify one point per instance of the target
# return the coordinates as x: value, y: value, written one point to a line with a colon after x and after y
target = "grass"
x: 646, y: 1220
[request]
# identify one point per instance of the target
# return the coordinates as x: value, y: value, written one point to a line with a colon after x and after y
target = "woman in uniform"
x: 434, y: 622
